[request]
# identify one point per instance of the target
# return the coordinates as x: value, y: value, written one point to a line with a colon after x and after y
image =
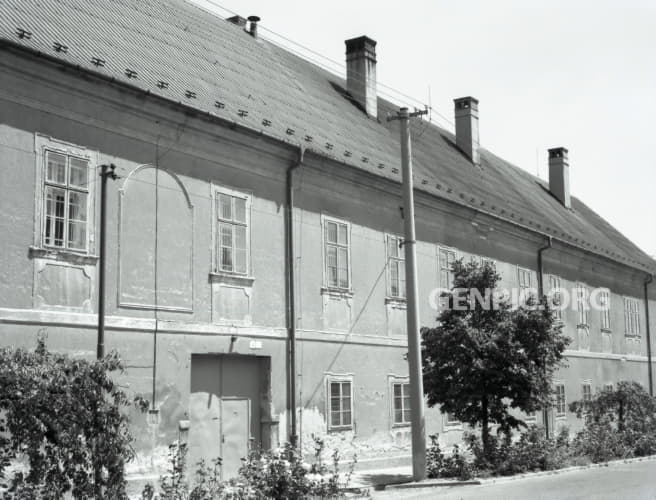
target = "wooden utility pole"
x: 417, y: 419
x: 107, y: 171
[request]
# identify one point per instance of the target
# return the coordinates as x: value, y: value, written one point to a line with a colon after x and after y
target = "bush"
x: 455, y: 465
x: 264, y: 474
x: 619, y: 423
x: 65, y: 418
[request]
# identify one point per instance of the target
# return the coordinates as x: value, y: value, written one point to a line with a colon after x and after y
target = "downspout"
x: 291, y: 295
x: 648, y: 280
x: 545, y: 412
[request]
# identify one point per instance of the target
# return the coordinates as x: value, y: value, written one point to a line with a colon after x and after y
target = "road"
x: 634, y: 481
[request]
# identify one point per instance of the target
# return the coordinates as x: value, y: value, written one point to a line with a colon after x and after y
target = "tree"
x: 486, y: 357
x: 66, y: 417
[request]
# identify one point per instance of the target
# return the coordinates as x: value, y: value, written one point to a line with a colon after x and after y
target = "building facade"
x: 214, y: 131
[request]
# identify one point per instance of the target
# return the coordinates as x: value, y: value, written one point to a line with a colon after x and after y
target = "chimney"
x: 238, y: 20
x: 253, y: 29
x: 361, y: 73
x: 466, y: 111
x: 559, y: 175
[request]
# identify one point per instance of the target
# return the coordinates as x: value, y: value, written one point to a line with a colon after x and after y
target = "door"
x: 224, y: 409
x: 235, y: 433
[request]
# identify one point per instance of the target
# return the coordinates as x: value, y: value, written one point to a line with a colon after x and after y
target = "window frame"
x: 586, y: 395
x: 43, y: 146
x: 632, y: 318
x: 558, y: 403
x: 582, y: 305
x: 555, y: 287
x: 450, y: 276
x: 217, y: 221
x: 403, y: 382
x: 325, y: 220
x: 339, y: 379
x: 604, y: 312
x: 523, y: 271
x: 399, y: 260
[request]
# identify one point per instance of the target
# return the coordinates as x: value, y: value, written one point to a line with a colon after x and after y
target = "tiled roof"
x: 179, y: 51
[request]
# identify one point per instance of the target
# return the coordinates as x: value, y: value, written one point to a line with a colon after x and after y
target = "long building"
x: 240, y: 162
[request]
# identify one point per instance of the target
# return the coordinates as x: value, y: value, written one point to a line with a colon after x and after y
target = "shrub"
x: 618, y: 423
x: 455, y: 465
x: 65, y: 418
x: 264, y: 474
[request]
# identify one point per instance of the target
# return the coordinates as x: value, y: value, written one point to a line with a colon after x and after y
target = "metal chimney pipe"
x: 253, y: 28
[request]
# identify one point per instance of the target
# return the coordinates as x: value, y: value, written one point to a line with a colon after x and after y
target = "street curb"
x: 528, y: 475
x: 504, y: 479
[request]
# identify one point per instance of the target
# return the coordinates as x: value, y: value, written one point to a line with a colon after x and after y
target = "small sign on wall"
x: 255, y: 344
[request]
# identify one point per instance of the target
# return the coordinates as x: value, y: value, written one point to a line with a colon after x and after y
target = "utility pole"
x: 418, y: 423
x: 107, y: 171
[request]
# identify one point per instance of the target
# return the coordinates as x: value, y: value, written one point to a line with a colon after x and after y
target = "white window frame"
x: 217, y: 221
x: 325, y: 220
x: 557, y: 404
x: 492, y: 262
x: 631, y: 317
x: 586, y: 396
x: 399, y: 261
x: 555, y: 287
x: 604, y: 297
x: 43, y: 145
x: 339, y: 379
x: 451, y: 252
x: 522, y: 271
x: 404, y: 382
x: 582, y: 298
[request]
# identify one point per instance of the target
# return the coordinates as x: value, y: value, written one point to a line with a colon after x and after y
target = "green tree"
x: 486, y: 358
x: 66, y: 418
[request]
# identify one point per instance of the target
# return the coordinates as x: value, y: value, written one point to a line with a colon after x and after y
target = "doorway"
x: 225, y: 409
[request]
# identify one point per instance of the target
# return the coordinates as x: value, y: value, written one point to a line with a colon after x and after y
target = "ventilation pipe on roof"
x: 361, y: 73
x: 253, y: 28
x: 466, y: 111
x: 559, y: 175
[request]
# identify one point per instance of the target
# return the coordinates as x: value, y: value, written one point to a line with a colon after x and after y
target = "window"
x: 586, y: 392
x: 631, y: 317
x: 489, y: 262
x: 582, y: 304
x: 608, y: 387
x: 340, y: 399
x: 396, y: 266
x: 446, y: 258
x: 66, y: 201
x: 401, y: 403
x: 604, y: 302
x: 524, y: 276
x: 233, y: 239
x: 337, y: 254
x: 556, y: 298
x: 450, y: 419
x: 561, y: 405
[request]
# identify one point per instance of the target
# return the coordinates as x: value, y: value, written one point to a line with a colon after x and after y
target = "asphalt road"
x: 635, y: 481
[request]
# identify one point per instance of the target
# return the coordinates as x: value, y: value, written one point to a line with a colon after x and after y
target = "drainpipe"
x: 291, y: 294
x: 545, y: 412
x: 648, y: 280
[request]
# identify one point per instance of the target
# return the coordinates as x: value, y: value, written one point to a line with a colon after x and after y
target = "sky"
x: 578, y: 74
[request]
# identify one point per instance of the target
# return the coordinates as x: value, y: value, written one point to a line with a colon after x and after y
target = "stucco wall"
x: 195, y: 157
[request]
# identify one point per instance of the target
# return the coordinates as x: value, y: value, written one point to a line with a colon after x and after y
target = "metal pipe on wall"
x: 545, y: 412
x: 648, y: 281
x: 291, y: 295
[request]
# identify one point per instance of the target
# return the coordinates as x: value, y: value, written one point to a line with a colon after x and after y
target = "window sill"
x: 404, y: 425
x: 341, y: 429
x: 62, y: 255
x: 342, y: 293
x: 606, y: 330
x: 232, y: 279
x: 397, y: 302
x: 632, y: 336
